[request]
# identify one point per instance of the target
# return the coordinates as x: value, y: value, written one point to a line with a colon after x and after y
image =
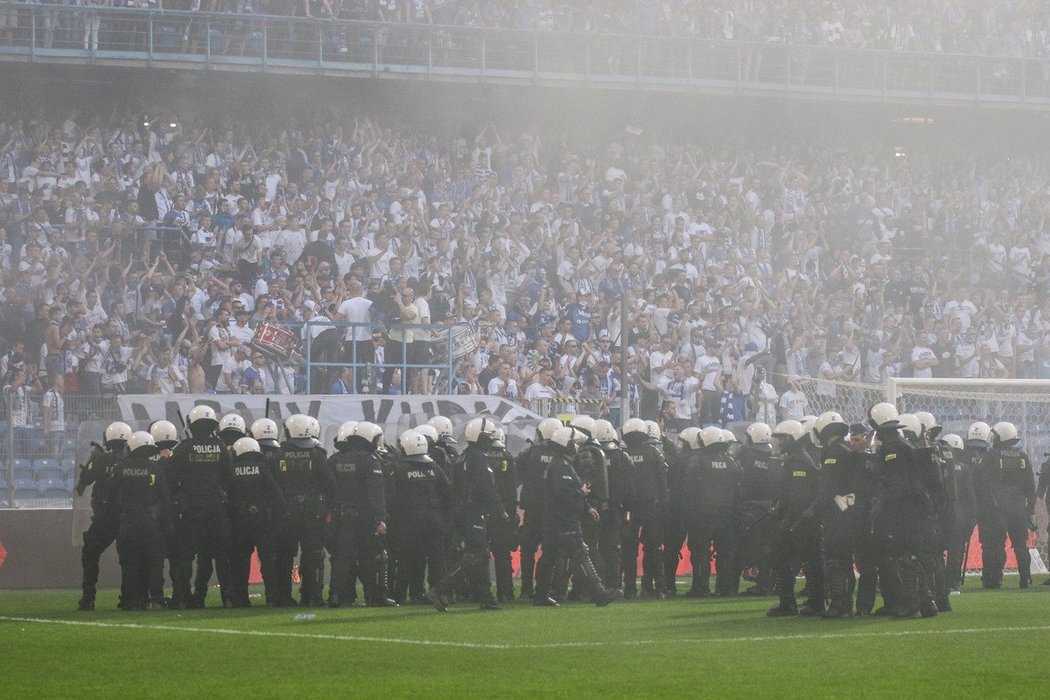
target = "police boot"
x: 908, y: 577
x: 527, y: 563
x: 838, y: 592
x: 545, y: 574
x: 699, y: 587
x: 940, y: 586
x: 382, y: 598
x: 87, y: 602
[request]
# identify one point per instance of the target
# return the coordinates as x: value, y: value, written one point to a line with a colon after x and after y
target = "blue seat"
x: 23, y: 469
x: 54, y: 488
x: 68, y: 464
x: 43, y: 475
x: 40, y: 465
x: 26, y: 488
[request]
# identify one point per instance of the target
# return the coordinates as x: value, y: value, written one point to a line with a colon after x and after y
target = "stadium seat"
x: 46, y: 463
x: 23, y: 469
x: 26, y: 488
x: 215, y: 40
x: 54, y: 488
x: 166, y: 38
x: 46, y: 474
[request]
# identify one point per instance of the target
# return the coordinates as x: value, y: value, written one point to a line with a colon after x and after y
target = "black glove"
x: 1031, y: 524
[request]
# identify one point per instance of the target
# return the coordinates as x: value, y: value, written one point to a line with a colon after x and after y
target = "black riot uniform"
x: 648, y: 507
x: 198, y: 468
x: 1009, y: 476
x: 477, y: 502
x: 987, y: 512
x: 904, y: 508
x: 565, y: 503
x: 797, y: 531
x: 681, y: 501
x: 714, y: 520
x: 105, y: 519
x: 532, y: 468
x: 255, y: 506
x: 444, y: 455
x: 961, y: 517
x: 141, y: 499
x: 841, y: 480
x: 612, y: 524
x: 867, y: 554
x: 420, y: 499
x: 593, y: 469
x: 503, y: 536
x: 758, y: 472
x: 306, y: 484
x: 360, y: 505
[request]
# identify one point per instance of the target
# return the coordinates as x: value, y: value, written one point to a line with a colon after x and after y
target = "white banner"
x: 394, y: 413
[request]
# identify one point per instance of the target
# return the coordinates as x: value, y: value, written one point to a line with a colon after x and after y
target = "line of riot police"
x: 419, y: 522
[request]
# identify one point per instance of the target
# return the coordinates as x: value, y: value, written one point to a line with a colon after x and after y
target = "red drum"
x: 273, y: 340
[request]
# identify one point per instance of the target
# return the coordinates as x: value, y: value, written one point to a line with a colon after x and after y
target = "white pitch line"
x: 511, y: 647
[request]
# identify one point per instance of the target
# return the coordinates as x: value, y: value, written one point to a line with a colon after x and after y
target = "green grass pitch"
x: 993, y: 644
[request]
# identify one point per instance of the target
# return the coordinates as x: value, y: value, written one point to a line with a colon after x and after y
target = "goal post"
x: 956, y: 403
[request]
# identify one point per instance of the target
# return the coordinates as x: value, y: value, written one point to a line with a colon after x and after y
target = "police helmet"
x: 429, y: 432
x: 343, y: 435
x: 499, y: 438
x: 297, y: 430
x: 830, y: 424
x: 567, y: 437
x: 164, y: 433
x: 652, y: 430
x: 884, y: 415
x: 759, y: 434
x: 314, y: 427
x: 584, y: 423
x: 232, y: 423
x: 728, y: 436
x: 980, y: 433
x: 605, y: 433
x: 789, y: 429
x: 367, y: 434
x: 265, y: 432
x: 547, y: 427
x: 909, y: 423
x: 414, y: 445
x: 808, y: 423
x: 1005, y: 433
x: 201, y: 420
x: 116, y: 434
x: 929, y: 424
x: 444, y: 427
x: 246, y: 445
x: 480, y: 431
x: 633, y: 430
x: 711, y: 436
x: 689, y: 437
x: 953, y: 441
x: 141, y: 443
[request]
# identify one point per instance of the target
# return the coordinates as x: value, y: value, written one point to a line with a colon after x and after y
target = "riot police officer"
x: 867, y: 556
x: 503, y: 537
x: 797, y: 528
x: 758, y: 472
x: 648, y: 507
x: 717, y: 477
x: 679, y: 507
x: 972, y: 505
x: 477, y: 501
x: 306, y: 484
x: 359, y: 501
x: 904, y: 508
x: 105, y: 520
x: 140, y: 496
x: 841, y: 477
x: 611, y: 526
x: 1011, y: 480
x: 166, y: 437
x: 533, y: 465
x: 421, y: 494
x: 255, y: 505
x: 565, y: 502
x: 592, y: 467
x: 231, y: 429
x: 197, y: 471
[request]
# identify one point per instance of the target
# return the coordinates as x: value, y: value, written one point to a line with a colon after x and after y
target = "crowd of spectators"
x: 142, y: 254
x: 1015, y: 28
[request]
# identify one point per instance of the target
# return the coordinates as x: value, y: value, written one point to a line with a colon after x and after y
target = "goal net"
x: 959, y: 402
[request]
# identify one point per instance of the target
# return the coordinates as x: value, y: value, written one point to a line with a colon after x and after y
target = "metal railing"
x: 122, y: 37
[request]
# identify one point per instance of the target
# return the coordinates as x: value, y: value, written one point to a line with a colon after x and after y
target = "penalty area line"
x: 551, y: 645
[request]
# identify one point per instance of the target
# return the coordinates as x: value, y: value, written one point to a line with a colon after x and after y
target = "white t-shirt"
x: 793, y: 405
x: 355, y: 310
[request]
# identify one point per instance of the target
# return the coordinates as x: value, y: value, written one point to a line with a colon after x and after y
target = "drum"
x: 463, y: 344
x: 273, y: 340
